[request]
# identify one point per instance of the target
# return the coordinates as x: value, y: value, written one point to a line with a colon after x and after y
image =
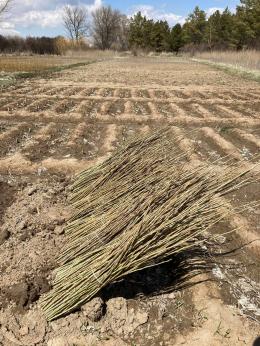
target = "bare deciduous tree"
x: 4, y: 6
x: 122, y: 39
x: 106, y: 26
x: 75, y: 22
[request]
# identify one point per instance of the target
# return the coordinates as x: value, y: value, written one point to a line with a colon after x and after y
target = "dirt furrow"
x: 227, y: 147
x: 247, y: 137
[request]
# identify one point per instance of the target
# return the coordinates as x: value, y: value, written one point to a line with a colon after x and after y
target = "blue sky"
x: 178, y: 7
x: 44, y: 17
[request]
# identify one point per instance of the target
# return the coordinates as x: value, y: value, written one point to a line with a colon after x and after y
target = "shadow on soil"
x: 177, y: 273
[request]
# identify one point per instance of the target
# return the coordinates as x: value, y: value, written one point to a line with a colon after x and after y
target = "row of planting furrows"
x: 242, y: 224
x: 211, y: 145
x: 59, y: 144
x: 73, y: 104
x: 78, y: 90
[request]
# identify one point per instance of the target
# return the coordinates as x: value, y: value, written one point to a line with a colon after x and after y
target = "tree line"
x: 110, y: 29
x: 224, y: 30
x: 35, y: 45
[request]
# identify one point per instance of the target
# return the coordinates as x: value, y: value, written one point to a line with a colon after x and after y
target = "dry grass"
x: 93, y: 54
x: 249, y: 59
x: 33, y: 63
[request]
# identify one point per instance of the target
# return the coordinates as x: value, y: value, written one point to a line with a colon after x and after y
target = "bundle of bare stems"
x: 135, y: 210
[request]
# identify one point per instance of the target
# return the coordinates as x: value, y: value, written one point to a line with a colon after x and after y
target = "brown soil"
x: 7, y: 195
x: 52, y: 128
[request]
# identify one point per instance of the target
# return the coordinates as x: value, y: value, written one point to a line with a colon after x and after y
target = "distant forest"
x: 220, y: 31
x: 110, y: 29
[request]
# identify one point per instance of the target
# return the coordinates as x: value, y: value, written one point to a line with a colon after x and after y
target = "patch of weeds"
x: 233, y: 70
x: 224, y: 333
x: 225, y: 129
x: 201, y: 317
x: 6, y: 80
x: 179, y: 304
x: 50, y: 70
x: 11, y: 79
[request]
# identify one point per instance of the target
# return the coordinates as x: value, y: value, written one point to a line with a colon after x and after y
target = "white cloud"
x: 43, y: 14
x: 92, y: 7
x: 211, y: 10
x: 8, y: 29
x: 40, y: 18
x: 6, y: 26
x: 172, y: 18
x: 26, y: 14
x: 152, y: 13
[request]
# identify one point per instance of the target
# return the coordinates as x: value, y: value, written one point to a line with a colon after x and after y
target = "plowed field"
x: 51, y: 128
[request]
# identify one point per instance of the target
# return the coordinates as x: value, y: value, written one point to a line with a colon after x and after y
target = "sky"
x: 44, y: 17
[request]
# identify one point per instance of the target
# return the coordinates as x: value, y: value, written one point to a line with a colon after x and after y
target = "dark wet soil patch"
x: 24, y: 293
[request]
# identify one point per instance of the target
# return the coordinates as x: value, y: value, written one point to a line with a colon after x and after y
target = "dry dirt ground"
x: 53, y: 127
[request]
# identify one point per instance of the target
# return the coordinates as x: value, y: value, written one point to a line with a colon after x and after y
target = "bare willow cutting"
x: 135, y: 210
